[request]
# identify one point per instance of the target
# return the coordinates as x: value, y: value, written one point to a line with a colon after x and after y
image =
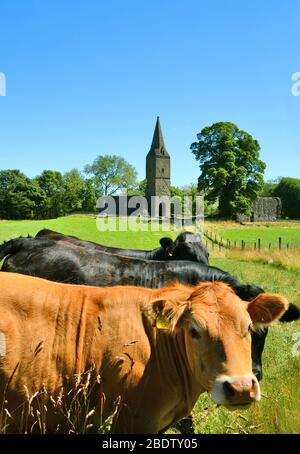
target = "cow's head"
x: 248, y: 293
x: 187, y: 246
x: 214, y: 325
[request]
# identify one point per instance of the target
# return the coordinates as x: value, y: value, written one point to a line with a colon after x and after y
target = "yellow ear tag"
x: 162, y: 322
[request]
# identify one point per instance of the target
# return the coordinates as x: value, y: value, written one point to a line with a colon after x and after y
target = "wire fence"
x: 214, y: 240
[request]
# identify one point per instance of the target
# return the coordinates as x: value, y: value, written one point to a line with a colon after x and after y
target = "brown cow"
x: 154, y: 350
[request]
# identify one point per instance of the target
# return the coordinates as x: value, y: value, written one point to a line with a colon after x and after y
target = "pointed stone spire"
x: 158, y: 144
x: 158, y: 166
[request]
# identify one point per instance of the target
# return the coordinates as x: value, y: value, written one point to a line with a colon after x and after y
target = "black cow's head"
x: 187, y: 246
x: 247, y: 293
x: 257, y: 348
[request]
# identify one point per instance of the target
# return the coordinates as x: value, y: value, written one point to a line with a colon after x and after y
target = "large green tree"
x: 231, y: 171
x: 110, y: 173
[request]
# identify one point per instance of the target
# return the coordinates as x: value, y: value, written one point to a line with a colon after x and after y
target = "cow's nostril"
x: 229, y: 390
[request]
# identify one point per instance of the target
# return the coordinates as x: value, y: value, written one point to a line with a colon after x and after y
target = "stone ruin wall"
x: 266, y: 209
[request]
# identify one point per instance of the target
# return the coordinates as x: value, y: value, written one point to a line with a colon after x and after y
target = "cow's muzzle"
x: 236, y: 392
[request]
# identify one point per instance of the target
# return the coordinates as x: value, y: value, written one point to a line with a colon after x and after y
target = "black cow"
x: 187, y: 246
x: 65, y: 261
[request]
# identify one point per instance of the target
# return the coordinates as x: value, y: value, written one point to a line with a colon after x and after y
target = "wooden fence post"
x: 280, y: 243
x: 259, y: 244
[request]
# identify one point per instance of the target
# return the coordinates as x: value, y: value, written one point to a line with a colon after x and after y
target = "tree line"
x: 231, y: 178
x: 53, y: 194
x: 49, y: 195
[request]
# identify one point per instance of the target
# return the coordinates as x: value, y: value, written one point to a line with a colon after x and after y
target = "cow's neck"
x: 172, y: 374
x: 161, y: 385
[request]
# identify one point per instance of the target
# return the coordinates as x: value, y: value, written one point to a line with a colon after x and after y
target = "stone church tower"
x: 158, y: 166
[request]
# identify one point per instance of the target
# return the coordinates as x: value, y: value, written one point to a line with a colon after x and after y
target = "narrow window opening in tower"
x: 161, y: 210
x: 162, y: 151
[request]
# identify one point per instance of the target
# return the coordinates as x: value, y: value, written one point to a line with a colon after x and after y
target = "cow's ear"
x: 267, y: 308
x: 168, y: 315
x: 167, y: 244
x: 292, y: 314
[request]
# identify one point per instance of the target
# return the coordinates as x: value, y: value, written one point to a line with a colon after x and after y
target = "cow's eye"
x: 194, y: 333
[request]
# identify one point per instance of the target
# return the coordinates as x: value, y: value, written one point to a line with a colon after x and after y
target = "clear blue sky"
x: 89, y: 77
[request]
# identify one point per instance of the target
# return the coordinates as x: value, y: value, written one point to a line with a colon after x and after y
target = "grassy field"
x: 266, y: 232
x: 279, y: 410
x: 83, y: 226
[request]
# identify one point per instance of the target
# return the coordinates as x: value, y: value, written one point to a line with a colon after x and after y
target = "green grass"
x: 279, y: 410
x: 83, y: 226
x: 266, y: 232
